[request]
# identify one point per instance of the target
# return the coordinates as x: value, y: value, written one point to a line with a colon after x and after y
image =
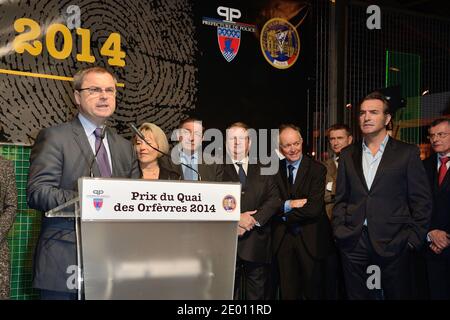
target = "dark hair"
x: 377, y: 96
x: 340, y: 126
x: 189, y: 119
x: 439, y: 121
x: 285, y: 126
x: 78, y: 78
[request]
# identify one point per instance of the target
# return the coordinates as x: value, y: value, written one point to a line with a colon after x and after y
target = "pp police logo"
x: 228, y: 31
x: 98, y: 203
x: 97, y: 199
x: 280, y: 43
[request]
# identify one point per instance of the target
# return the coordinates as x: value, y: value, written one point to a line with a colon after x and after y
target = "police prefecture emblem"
x: 97, y: 198
x: 229, y: 31
x: 98, y: 203
x: 280, y: 43
x: 229, y: 40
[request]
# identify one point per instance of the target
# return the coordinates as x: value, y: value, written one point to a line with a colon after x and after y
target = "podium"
x: 143, y: 239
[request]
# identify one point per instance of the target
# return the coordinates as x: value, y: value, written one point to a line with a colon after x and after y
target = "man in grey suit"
x: 61, y: 155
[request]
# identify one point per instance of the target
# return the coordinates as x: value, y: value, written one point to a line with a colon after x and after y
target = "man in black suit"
x: 382, y: 208
x: 189, y: 151
x: 302, y: 238
x: 259, y: 201
x: 339, y: 136
x: 61, y: 155
x: 438, y: 252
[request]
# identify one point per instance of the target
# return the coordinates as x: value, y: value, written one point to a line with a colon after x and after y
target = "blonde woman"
x: 151, y: 168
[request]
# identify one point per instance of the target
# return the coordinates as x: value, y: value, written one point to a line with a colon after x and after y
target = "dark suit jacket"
x: 397, y: 207
x: 166, y: 173
x: 261, y: 194
x: 8, y: 210
x: 315, y: 230
x: 440, y: 217
x: 208, y: 172
x: 330, y: 165
x: 61, y: 155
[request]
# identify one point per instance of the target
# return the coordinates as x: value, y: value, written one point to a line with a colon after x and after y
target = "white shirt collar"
x: 382, y: 145
x: 244, y: 161
x: 443, y: 155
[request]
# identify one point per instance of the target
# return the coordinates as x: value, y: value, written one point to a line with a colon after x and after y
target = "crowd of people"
x: 310, y: 231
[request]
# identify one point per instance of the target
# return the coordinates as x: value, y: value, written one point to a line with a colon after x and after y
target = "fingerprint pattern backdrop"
x: 159, y: 76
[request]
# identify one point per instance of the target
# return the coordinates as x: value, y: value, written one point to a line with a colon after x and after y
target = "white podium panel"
x: 117, y: 199
x: 158, y: 239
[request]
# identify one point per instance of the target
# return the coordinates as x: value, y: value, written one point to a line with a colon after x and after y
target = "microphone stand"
x: 141, y: 136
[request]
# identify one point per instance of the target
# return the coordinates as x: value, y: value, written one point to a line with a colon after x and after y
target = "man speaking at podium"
x: 61, y: 155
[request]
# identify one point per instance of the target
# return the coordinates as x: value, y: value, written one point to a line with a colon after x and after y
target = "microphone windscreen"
x: 103, y: 132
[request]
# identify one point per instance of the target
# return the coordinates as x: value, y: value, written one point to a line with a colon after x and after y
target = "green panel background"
x: 23, y: 236
x: 404, y: 69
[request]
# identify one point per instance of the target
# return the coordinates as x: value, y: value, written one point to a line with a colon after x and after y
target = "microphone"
x: 141, y: 136
x: 102, y: 136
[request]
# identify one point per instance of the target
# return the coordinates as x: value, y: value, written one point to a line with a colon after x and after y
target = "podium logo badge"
x: 97, y: 196
x: 280, y: 43
x: 229, y: 203
x: 98, y: 192
x: 98, y: 203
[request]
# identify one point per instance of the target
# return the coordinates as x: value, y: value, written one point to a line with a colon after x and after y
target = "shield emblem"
x: 98, y: 203
x: 229, y: 40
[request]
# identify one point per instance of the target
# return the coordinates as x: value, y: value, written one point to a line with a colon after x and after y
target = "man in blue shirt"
x: 382, y: 209
x: 302, y: 238
x: 197, y: 165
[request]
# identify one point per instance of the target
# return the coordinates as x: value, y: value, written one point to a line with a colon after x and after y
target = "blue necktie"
x: 291, y: 174
x: 242, y: 176
x: 102, y: 155
x: 190, y: 174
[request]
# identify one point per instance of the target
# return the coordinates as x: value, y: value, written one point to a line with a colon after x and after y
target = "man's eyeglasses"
x: 440, y: 135
x: 96, y: 91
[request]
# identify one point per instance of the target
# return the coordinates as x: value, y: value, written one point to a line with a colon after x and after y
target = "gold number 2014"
x: 28, y: 42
